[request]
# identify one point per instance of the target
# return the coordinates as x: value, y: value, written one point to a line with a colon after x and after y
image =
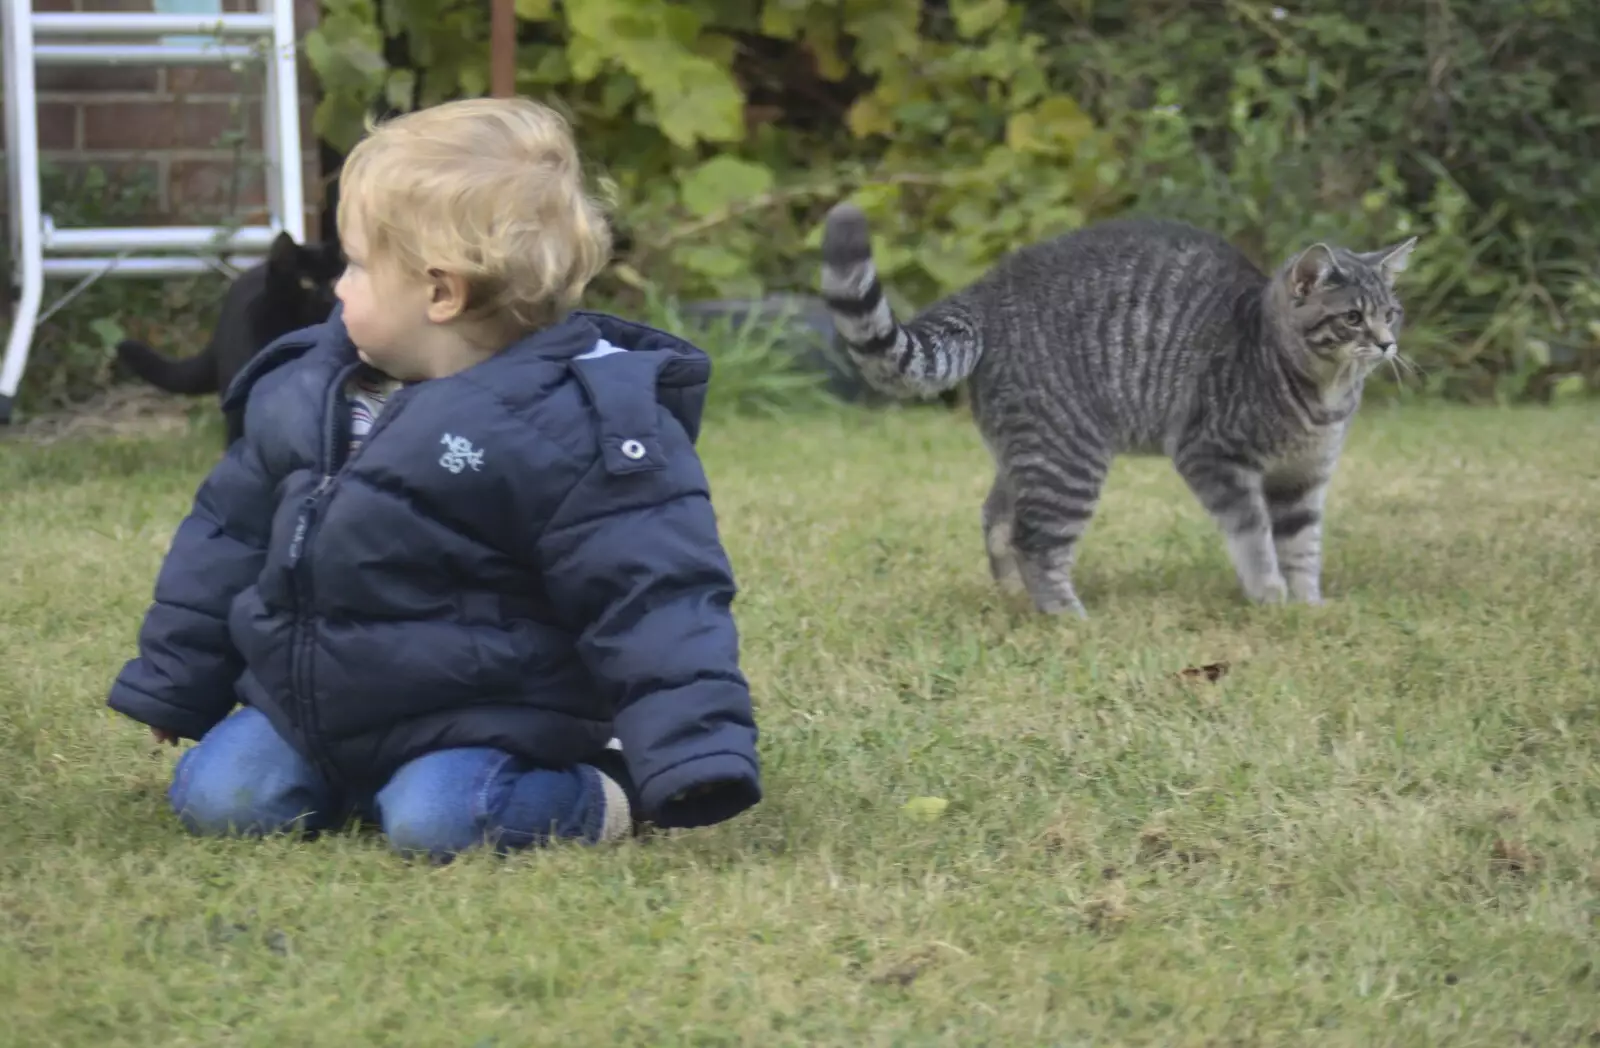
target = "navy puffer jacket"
x: 522, y: 555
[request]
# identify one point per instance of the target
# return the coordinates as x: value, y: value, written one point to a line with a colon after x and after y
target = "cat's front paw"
x: 1305, y: 591
x: 1271, y: 590
x: 1071, y: 609
x: 1011, y: 584
x: 1006, y: 572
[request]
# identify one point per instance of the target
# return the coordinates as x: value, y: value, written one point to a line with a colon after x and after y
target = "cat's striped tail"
x: 934, y: 353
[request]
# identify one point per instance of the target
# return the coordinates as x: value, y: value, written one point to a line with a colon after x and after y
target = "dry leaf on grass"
x: 1512, y: 857
x: 1108, y: 910
x: 1211, y: 672
x: 903, y: 970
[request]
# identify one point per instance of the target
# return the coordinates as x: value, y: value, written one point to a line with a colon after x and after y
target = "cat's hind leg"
x: 998, y: 525
x: 1055, y: 493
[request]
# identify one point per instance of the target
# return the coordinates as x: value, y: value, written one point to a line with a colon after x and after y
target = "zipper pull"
x: 302, y: 524
x: 297, y: 544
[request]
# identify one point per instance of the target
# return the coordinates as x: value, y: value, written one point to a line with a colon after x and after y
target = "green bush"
x: 965, y: 128
x: 1475, y: 125
x: 755, y: 367
x: 969, y: 127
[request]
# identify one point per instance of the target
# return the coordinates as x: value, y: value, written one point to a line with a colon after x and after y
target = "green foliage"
x: 755, y: 369
x: 959, y: 130
x: 345, y: 53
x: 968, y: 128
x: 965, y: 130
x: 1473, y: 125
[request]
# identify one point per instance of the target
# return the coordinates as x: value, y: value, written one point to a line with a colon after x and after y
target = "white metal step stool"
x: 38, y: 249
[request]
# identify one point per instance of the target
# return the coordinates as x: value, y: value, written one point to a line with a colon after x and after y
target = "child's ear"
x: 447, y: 296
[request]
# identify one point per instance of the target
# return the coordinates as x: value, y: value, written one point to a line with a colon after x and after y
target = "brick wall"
x: 170, y: 128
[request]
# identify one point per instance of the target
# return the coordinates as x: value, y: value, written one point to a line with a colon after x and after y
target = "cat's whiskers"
x: 1404, y: 367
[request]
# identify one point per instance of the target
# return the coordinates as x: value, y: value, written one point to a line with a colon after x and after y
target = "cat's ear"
x: 1390, y: 261
x: 1313, y: 271
x: 284, y: 255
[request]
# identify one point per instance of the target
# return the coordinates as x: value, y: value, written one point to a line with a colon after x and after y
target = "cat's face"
x: 302, y: 277
x: 1343, y: 304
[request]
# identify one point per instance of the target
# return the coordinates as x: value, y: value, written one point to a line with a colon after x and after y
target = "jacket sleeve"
x: 634, y: 560
x: 183, y: 678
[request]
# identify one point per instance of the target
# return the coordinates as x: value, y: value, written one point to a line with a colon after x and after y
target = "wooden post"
x: 502, y: 48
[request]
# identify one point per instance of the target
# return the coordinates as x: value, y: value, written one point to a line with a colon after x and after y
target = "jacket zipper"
x: 303, y: 641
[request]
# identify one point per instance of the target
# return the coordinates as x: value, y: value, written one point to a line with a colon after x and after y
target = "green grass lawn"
x: 1381, y: 825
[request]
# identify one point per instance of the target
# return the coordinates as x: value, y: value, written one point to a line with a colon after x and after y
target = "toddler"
x: 462, y: 573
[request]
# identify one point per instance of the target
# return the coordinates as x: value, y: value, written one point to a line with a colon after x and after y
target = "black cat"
x: 292, y: 289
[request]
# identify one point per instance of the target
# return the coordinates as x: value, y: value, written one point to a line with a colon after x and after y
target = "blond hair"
x: 488, y: 189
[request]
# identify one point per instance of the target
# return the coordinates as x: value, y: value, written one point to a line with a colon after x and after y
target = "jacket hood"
x: 620, y: 363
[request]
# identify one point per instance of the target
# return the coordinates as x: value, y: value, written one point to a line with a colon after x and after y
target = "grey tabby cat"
x: 1139, y: 336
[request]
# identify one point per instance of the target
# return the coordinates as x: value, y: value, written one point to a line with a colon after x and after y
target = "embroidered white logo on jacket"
x: 459, y: 454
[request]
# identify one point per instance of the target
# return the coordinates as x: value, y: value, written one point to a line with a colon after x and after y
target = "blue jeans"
x: 242, y: 778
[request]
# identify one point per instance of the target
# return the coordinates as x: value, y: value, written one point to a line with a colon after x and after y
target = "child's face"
x: 385, y: 311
